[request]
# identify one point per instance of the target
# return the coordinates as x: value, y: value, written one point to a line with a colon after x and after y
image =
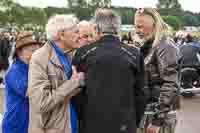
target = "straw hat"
x: 25, y: 39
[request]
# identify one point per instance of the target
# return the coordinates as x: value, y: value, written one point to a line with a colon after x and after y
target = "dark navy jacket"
x: 190, y: 54
x: 113, y: 100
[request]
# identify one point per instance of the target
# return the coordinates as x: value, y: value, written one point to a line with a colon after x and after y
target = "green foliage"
x: 173, y: 21
x: 7, y: 4
x: 11, y: 12
x: 127, y: 14
x: 172, y: 12
x: 84, y: 9
x: 190, y: 20
x: 168, y: 4
x: 50, y: 11
x: 3, y: 17
x: 196, y: 35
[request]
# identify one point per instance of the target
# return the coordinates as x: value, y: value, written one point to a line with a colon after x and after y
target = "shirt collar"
x: 21, y: 62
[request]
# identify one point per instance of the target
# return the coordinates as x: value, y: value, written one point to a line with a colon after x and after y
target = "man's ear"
x: 61, y: 35
x: 154, y: 32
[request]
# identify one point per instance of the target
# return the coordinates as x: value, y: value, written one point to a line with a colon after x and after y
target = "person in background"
x: 5, y: 49
x: 130, y: 38
x: 161, y: 66
x: 16, y: 116
x: 86, y: 32
x: 190, y: 62
x: 124, y: 39
x: 180, y: 38
x: 52, y: 80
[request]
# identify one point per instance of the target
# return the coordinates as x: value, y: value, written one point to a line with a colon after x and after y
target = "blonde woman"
x: 161, y: 60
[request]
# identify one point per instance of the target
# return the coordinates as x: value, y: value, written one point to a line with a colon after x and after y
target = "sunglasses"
x: 141, y: 11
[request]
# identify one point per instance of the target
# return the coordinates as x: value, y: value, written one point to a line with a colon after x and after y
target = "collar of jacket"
x: 22, y: 63
x: 109, y: 37
x: 151, y: 51
x: 53, y: 57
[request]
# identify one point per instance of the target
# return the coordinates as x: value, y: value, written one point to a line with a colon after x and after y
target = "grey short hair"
x: 84, y: 23
x: 107, y: 21
x: 58, y: 23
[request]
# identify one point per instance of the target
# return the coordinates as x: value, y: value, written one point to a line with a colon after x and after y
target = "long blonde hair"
x: 161, y: 28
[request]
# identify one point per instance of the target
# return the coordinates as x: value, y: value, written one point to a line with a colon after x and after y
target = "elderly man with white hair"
x: 86, y: 32
x: 52, y: 81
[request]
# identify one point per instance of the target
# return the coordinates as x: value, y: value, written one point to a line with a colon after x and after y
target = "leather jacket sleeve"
x: 167, y: 58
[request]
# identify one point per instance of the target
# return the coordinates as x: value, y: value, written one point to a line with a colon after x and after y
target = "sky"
x: 191, y: 5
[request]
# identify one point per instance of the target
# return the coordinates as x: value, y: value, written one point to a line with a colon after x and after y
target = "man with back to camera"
x: 112, y: 100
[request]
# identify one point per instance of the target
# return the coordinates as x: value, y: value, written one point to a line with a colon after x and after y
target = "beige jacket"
x: 49, y: 92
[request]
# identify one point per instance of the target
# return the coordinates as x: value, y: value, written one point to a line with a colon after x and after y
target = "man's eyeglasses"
x: 73, y: 29
x: 86, y: 36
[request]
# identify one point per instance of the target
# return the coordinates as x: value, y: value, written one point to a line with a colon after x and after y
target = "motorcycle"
x: 190, y: 81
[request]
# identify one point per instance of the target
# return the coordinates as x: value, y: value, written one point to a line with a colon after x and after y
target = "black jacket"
x: 190, y: 53
x: 113, y: 100
x: 5, y: 49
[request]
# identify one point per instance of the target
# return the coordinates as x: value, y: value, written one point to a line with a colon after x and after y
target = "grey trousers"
x: 168, y: 126
x: 170, y: 123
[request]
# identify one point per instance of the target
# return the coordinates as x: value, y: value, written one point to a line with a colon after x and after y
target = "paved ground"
x: 189, y: 115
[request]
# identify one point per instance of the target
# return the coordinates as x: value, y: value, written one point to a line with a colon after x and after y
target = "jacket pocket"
x: 44, y: 119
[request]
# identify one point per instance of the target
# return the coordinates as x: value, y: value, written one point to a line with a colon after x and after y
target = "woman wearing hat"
x: 16, y: 116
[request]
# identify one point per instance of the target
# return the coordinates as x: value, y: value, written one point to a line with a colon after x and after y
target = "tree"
x: 171, y: 11
x: 36, y: 16
x: 3, y: 17
x: 198, y: 17
x: 168, y: 4
x: 88, y: 3
x: 190, y: 20
x: 16, y: 14
x: 12, y: 12
x: 127, y: 14
x: 49, y: 11
x: 86, y: 8
x: 6, y: 3
x: 174, y: 21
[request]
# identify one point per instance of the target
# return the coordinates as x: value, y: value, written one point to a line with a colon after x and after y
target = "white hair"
x: 107, y: 21
x: 84, y: 23
x: 58, y: 23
